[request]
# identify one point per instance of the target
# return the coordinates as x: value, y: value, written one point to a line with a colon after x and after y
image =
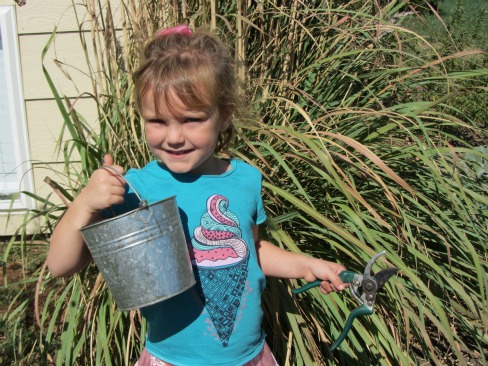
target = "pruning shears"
x: 363, y: 288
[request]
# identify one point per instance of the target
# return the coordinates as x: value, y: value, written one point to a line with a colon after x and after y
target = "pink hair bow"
x: 181, y: 29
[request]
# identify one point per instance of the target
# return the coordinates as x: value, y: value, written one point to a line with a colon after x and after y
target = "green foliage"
x: 460, y: 26
x: 354, y: 140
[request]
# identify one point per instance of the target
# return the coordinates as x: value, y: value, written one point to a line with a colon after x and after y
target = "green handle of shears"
x: 359, y: 311
x: 346, y: 276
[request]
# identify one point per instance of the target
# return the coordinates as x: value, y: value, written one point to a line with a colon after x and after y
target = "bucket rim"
x: 107, y: 220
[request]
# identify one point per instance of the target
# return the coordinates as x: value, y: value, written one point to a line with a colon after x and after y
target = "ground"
x: 18, y: 265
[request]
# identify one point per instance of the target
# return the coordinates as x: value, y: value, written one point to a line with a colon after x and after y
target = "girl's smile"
x: 178, y: 153
x: 183, y: 139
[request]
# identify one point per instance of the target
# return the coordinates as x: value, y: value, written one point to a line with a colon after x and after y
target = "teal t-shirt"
x: 218, y: 321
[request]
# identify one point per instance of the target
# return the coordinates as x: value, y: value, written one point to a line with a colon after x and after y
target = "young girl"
x: 186, y: 93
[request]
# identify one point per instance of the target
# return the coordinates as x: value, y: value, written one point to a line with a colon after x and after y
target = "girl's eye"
x: 156, y: 121
x: 194, y: 120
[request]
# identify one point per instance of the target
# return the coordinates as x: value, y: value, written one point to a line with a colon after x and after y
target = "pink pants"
x: 264, y: 358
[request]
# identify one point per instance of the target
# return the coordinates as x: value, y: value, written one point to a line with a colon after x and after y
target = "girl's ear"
x: 225, y: 120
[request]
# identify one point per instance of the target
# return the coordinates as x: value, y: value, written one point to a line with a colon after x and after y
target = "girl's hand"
x: 328, y: 272
x: 104, y: 189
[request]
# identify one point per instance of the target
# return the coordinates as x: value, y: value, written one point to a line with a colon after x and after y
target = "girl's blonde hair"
x: 198, y: 68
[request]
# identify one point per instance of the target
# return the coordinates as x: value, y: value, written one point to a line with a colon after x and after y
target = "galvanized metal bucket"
x: 142, y: 254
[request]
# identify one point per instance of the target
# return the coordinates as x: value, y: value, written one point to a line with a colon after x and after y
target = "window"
x: 15, y: 172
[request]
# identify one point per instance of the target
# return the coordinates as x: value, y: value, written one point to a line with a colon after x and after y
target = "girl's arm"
x: 68, y: 252
x: 277, y: 262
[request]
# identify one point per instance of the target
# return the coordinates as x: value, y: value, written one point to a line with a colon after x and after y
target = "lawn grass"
x: 465, y: 20
x: 472, y: 8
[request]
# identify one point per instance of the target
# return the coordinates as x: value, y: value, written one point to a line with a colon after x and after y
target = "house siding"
x: 65, y: 62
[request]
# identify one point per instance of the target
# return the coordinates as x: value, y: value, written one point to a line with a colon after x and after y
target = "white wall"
x: 66, y: 64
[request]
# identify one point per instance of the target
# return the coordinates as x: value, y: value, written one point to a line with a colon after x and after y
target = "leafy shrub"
x: 459, y: 28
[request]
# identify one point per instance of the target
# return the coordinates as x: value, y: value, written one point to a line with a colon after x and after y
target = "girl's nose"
x: 175, y: 135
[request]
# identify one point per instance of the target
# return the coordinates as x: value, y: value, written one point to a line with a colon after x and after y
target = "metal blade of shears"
x: 384, y: 275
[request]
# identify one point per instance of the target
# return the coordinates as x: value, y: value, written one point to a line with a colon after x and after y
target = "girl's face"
x: 183, y: 139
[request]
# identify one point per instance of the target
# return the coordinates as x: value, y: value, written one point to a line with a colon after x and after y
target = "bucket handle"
x: 142, y: 203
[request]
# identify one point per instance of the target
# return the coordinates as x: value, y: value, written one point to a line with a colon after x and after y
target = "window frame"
x: 16, y: 104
